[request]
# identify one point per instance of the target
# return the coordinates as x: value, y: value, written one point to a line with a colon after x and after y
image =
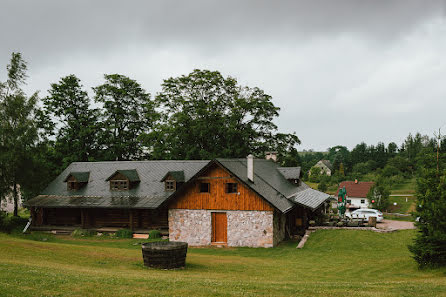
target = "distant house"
x: 356, y: 194
x: 7, y: 203
x: 325, y: 166
x: 233, y: 202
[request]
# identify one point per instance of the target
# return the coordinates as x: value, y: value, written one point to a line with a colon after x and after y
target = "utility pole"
x: 438, y: 149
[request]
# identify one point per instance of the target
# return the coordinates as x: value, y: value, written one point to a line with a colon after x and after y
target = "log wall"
x: 90, y: 218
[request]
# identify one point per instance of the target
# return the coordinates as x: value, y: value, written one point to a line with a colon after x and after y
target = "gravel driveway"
x: 395, y: 225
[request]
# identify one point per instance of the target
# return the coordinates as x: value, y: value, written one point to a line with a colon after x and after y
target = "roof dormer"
x: 173, y: 180
x: 292, y: 174
x: 76, y: 180
x: 123, y: 180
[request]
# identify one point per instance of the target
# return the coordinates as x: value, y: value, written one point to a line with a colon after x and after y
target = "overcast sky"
x: 342, y: 72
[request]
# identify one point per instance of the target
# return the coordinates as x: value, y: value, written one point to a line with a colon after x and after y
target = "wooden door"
x: 219, y: 227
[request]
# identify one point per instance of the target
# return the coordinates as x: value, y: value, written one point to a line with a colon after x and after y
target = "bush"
x: 10, y: 223
x: 124, y: 233
x: 82, y: 232
x: 154, y: 234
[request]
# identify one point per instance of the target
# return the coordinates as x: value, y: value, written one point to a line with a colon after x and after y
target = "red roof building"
x: 356, y: 188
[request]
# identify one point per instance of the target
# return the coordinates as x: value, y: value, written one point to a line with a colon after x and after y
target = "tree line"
x: 393, y: 162
x: 202, y: 115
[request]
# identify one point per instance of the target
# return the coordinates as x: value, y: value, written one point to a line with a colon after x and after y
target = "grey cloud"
x: 342, y: 71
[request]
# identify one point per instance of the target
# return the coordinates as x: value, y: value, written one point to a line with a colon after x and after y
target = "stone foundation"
x: 245, y: 228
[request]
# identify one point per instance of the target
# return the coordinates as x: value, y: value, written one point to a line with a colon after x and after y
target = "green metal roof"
x: 131, y: 174
x: 81, y: 177
x: 176, y: 175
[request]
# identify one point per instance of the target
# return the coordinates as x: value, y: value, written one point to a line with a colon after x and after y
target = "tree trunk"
x: 16, y: 198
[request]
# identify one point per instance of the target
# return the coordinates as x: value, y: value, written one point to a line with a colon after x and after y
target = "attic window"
x: 231, y: 188
x: 170, y: 185
x: 119, y: 185
x: 205, y: 188
x: 76, y: 180
x: 123, y: 180
x: 72, y: 185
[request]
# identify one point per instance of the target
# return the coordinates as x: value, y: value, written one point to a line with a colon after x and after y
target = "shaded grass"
x: 406, y: 187
x: 333, y: 262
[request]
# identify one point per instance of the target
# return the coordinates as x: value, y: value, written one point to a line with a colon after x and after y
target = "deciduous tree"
x: 18, y: 131
x: 127, y: 113
x: 208, y: 115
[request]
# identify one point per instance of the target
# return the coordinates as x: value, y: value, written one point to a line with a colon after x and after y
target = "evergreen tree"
x: 429, y: 247
x: 68, y: 105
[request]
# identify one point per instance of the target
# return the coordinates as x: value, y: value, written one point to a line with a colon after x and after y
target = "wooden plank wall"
x: 218, y: 199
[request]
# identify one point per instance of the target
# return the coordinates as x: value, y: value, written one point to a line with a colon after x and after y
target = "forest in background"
x: 202, y: 115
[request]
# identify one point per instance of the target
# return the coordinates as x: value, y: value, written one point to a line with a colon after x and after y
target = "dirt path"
x: 395, y: 225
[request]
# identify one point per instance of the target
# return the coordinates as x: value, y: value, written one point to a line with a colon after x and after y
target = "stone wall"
x: 245, y: 228
x: 191, y: 226
x: 250, y: 228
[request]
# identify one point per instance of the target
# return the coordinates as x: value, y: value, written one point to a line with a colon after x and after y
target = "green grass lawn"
x: 401, y: 205
x: 332, y: 263
x: 407, y: 187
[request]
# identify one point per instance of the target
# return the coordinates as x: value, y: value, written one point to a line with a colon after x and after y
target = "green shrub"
x: 83, y: 232
x: 124, y: 233
x: 9, y: 223
x: 154, y: 234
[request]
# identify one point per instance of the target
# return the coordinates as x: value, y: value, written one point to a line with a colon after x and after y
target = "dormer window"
x: 71, y: 185
x: 170, y: 185
x: 76, y: 180
x: 119, y: 185
x: 123, y: 180
x: 173, y: 180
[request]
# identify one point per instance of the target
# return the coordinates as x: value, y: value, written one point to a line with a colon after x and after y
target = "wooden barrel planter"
x: 164, y: 254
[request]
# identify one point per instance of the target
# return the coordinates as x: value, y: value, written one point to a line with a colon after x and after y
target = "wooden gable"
x: 73, y: 184
x: 118, y: 176
x: 119, y: 182
x: 217, y: 198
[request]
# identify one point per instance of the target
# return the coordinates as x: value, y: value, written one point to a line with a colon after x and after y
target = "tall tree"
x: 68, y: 105
x: 429, y: 246
x: 127, y: 113
x: 208, y: 116
x: 18, y: 131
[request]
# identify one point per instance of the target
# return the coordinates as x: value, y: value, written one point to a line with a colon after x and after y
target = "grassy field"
x: 333, y: 263
x: 401, y: 205
x: 407, y: 187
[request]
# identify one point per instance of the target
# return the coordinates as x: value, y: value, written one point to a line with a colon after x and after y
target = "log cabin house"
x: 233, y: 202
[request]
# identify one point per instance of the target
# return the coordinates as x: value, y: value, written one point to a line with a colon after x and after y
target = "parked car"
x: 365, y: 213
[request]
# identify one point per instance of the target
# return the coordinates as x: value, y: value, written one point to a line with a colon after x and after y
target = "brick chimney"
x: 250, y: 167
